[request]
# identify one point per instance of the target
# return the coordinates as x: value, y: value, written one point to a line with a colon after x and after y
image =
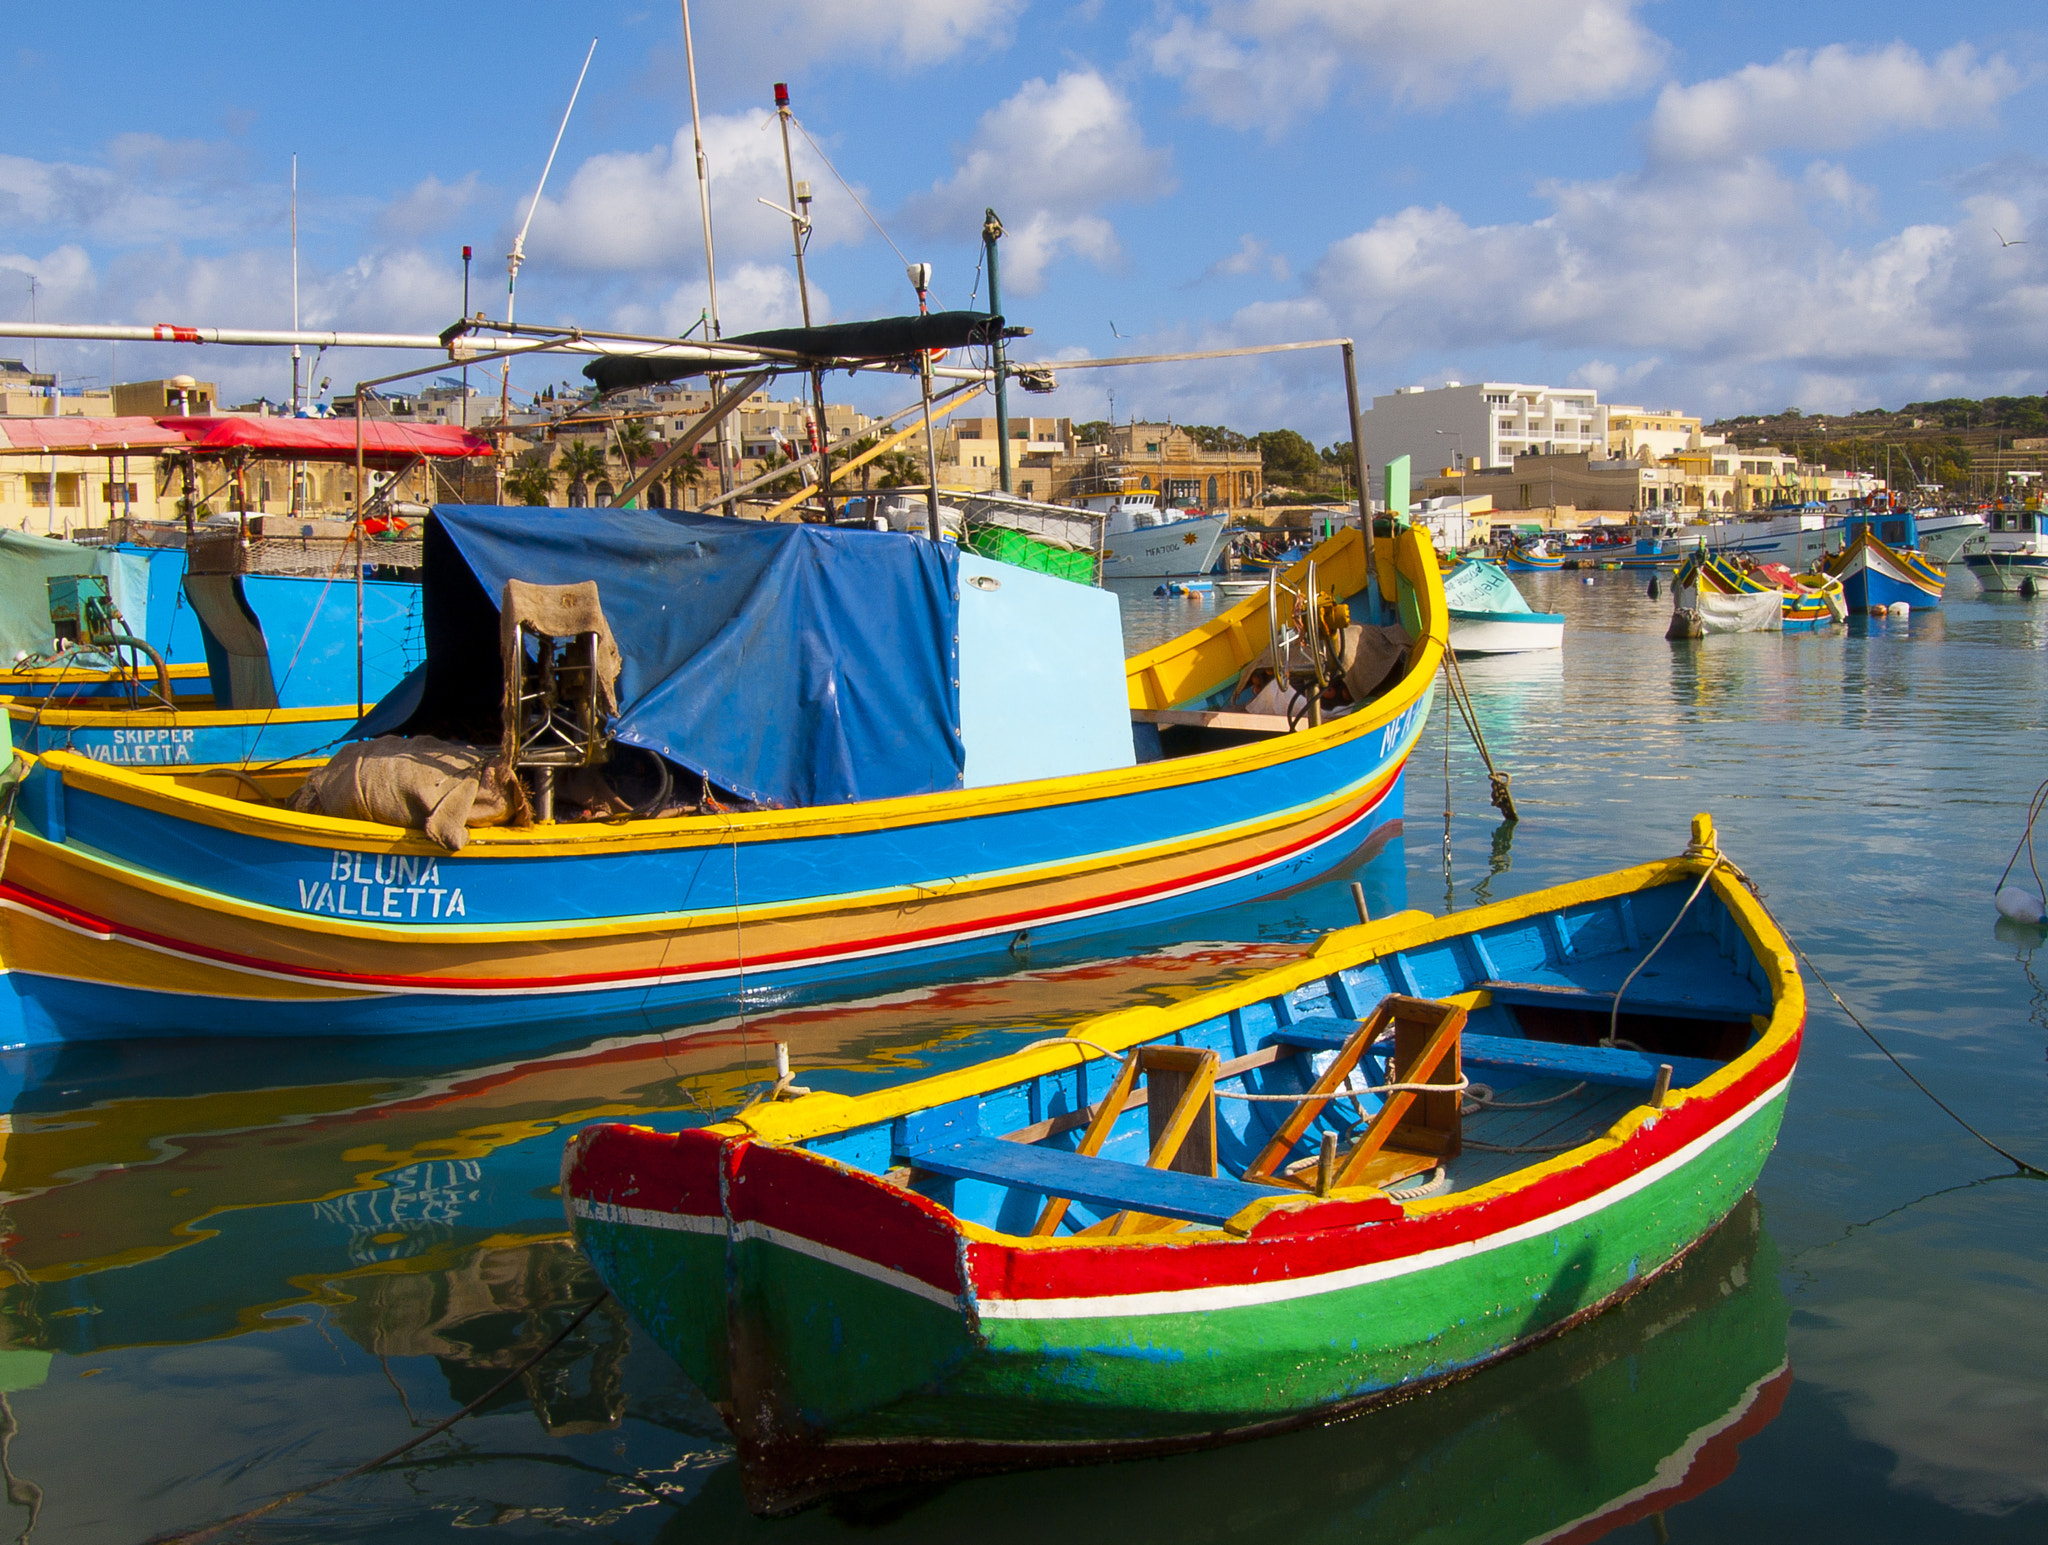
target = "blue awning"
x: 792, y: 664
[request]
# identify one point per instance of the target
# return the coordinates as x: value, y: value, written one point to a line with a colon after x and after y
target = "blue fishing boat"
x: 1881, y: 566
x: 278, y: 681
x: 839, y: 754
x: 1530, y: 558
x: 1490, y: 616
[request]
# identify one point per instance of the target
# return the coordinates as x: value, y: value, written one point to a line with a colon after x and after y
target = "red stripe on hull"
x: 850, y: 1211
x: 886, y: 944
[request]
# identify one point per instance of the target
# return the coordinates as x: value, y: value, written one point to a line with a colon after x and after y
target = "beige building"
x: 1149, y: 458
x: 1576, y: 482
x: 1645, y: 434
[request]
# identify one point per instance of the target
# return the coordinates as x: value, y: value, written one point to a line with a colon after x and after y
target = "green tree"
x: 1094, y: 432
x: 531, y: 482
x: 581, y: 462
x: 899, y: 469
x: 1217, y: 437
x: 860, y: 447
x: 1288, y: 456
x: 635, y: 443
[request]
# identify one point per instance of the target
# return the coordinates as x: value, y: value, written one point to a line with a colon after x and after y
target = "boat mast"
x: 799, y: 213
x: 298, y: 468
x: 717, y: 381
x: 515, y: 258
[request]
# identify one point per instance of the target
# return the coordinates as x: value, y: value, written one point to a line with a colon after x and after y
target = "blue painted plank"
x: 941, y: 1123
x: 1536, y: 996
x: 1318, y: 1032
x: 1596, y: 1064
x: 1102, y: 1183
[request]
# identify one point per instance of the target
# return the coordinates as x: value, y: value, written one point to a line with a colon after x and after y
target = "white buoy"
x: 2021, y: 905
x: 1900, y: 610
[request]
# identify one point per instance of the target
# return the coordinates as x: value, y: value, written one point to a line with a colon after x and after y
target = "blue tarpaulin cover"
x: 791, y: 664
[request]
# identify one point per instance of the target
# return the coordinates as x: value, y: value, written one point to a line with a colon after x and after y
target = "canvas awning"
x: 75, y: 435
x: 385, y: 443
x: 880, y: 339
x: 793, y: 664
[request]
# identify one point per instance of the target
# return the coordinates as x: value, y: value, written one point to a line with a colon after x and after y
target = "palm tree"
x: 860, y: 448
x: 899, y: 470
x: 580, y: 462
x: 531, y: 483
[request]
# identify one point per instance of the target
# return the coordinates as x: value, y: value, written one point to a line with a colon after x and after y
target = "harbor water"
x: 237, y: 1271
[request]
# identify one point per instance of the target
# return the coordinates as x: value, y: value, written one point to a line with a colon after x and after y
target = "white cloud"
x: 431, y: 206
x: 638, y: 209
x: 148, y: 189
x: 1264, y: 62
x: 1049, y: 160
x: 1735, y: 278
x: 751, y: 296
x: 1251, y: 257
x: 1829, y: 100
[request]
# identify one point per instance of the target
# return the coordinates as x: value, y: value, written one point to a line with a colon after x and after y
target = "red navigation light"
x: 781, y: 94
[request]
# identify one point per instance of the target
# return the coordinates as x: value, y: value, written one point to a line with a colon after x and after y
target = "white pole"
x: 293, y: 502
x: 517, y: 256
x: 710, y: 262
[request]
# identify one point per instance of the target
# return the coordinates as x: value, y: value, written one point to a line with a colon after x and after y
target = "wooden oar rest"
x: 1413, y: 1131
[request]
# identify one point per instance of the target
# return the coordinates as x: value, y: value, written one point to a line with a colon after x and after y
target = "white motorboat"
x: 1143, y: 541
x: 2011, y: 553
x: 1490, y: 616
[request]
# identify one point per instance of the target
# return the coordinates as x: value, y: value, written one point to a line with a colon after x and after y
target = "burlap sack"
x: 438, y: 786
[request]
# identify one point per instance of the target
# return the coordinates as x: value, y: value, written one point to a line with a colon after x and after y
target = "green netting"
x: 1005, y: 545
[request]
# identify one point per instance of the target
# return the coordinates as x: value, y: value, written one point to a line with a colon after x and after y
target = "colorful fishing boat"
x: 1531, y: 558
x: 2012, y: 557
x: 1431, y: 1143
x: 1881, y: 565
x: 1712, y: 593
x: 889, y: 755
x: 1490, y: 616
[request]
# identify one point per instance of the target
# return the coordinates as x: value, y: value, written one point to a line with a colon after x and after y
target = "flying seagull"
x: 2021, y: 242
x: 1115, y: 333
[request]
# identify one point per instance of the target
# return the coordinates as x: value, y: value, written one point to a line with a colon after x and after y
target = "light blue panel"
x: 1397, y: 486
x: 1041, y: 676
x: 310, y: 628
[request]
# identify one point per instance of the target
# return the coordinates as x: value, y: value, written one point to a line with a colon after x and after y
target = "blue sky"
x: 1723, y: 207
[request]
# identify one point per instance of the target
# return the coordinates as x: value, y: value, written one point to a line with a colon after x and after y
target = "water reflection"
x: 1615, y: 1423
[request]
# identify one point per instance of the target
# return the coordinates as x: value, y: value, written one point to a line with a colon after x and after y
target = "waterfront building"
x: 1150, y: 458
x: 1488, y: 424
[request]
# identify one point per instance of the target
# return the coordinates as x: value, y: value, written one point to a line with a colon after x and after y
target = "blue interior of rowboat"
x: 996, y: 1158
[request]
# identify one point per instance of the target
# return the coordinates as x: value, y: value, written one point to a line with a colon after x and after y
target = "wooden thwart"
x: 1182, y: 1120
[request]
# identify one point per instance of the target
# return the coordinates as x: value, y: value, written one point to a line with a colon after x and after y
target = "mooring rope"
x: 2011, y: 1158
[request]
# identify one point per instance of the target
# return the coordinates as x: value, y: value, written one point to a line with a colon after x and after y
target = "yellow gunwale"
x: 720, y: 917
x: 1408, y: 553
x: 818, y: 1115
x: 169, y: 718
x: 186, y: 670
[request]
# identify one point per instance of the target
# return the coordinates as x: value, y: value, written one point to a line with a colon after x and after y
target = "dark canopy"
x: 883, y: 338
x: 793, y: 664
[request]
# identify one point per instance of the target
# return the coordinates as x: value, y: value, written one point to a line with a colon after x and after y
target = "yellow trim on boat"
x: 166, y: 718
x: 1409, y: 553
x: 817, y: 1115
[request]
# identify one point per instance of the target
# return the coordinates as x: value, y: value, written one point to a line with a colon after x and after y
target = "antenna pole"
x: 717, y: 381
x: 991, y: 233
x: 516, y: 257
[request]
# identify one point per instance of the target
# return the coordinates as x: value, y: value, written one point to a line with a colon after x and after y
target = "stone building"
x: 1153, y: 458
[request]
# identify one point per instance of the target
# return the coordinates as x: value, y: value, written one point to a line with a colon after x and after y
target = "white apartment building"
x: 1489, y: 424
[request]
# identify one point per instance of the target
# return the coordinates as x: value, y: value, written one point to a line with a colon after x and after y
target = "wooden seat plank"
x: 1101, y: 1183
x: 1542, y: 995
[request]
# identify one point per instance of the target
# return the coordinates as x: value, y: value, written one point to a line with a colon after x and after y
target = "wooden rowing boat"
x: 1177, y: 1227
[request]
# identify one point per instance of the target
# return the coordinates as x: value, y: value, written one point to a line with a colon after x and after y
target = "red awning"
x: 77, y: 435
x: 328, y: 439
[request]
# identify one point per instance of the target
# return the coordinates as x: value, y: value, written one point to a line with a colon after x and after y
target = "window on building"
x: 117, y: 493
x: 1152, y: 445
x: 1027, y: 486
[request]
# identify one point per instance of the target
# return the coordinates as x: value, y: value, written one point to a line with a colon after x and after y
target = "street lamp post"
x: 1458, y: 439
